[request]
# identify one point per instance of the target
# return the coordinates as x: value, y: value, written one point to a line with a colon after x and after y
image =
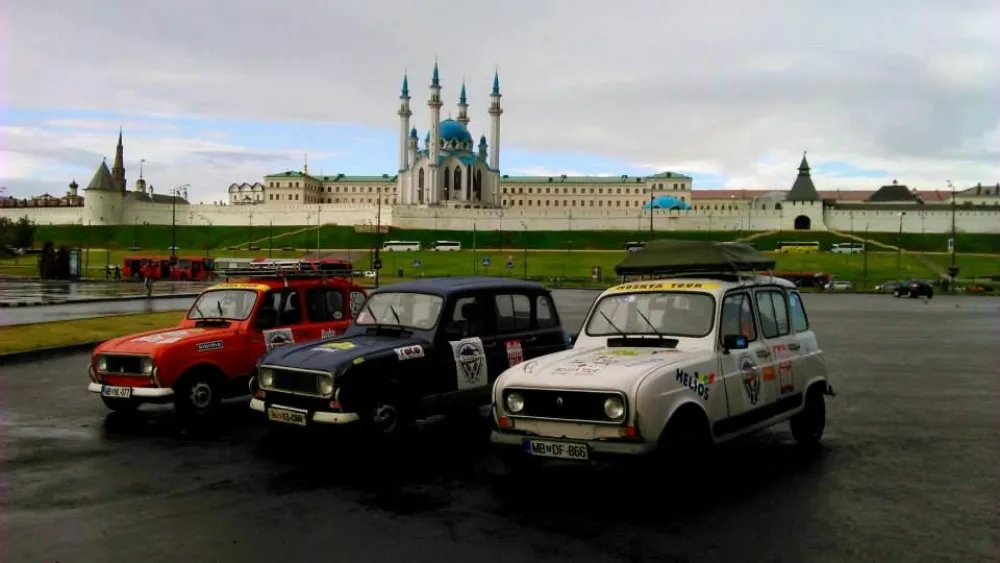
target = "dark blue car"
x: 415, y: 349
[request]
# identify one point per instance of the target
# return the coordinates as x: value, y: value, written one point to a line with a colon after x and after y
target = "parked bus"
x: 848, y: 248
x: 805, y: 279
x: 400, y: 246
x: 633, y: 246
x: 180, y: 268
x: 446, y: 246
x: 797, y: 246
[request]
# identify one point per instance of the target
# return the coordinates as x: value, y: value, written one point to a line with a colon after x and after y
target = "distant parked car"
x: 839, y: 285
x: 913, y: 289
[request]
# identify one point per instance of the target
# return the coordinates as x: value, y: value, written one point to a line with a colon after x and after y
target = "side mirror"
x: 735, y: 342
x: 267, y: 319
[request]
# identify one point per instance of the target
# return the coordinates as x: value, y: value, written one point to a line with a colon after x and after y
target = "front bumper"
x: 151, y: 394
x: 600, y: 448
x: 320, y: 417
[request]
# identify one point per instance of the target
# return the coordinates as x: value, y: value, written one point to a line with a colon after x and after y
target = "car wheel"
x: 685, y: 443
x: 808, y: 425
x: 384, y: 418
x: 895, y: 293
x: 120, y: 405
x: 198, y: 394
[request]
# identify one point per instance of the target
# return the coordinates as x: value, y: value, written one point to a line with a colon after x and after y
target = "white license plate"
x: 560, y: 450
x: 116, y: 392
x: 287, y: 416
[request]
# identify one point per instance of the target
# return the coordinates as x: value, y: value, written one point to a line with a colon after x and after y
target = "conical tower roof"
x: 803, y: 188
x: 102, y: 179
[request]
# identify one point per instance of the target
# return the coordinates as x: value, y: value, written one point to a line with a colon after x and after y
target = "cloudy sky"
x: 211, y: 92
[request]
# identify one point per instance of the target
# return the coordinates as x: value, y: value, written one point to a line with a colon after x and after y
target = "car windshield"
x: 413, y: 310
x: 230, y: 304
x: 667, y: 313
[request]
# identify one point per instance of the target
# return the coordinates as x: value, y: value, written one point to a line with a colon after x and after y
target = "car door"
x: 290, y: 317
x: 743, y: 370
x: 516, y: 336
x: 775, y: 327
x: 804, y: 346
x: 550, y: 335
x: 468, y: 347
x: 327, y: 311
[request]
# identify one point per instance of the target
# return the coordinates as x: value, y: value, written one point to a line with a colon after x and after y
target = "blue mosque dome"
x: 452, y: 130
x: 666, y: 202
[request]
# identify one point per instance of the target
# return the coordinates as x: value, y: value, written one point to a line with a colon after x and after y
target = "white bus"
x: 400, y: 246
x: 446, y: 246
x: 797, y: 246
x: 633, y: 246
x: 848, y: 248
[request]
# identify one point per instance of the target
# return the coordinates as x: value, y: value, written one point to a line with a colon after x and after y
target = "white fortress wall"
x: 45, y: 215
x: 914, y: 221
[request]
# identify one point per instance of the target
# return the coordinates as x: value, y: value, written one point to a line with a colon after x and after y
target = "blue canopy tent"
x: 666, y: 202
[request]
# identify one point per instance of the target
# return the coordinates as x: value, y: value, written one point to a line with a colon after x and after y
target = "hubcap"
x: 385, y: 418
x: 201, y: 395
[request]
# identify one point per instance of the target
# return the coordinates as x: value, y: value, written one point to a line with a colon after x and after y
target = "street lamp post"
x: 135, y: 232
x: 651, y: 197
x: 953, y: 269
x: 899, y: 247
x: 377, y: 262
x: 249, y: 202
x: 173, y: 220
x: 524, y: 246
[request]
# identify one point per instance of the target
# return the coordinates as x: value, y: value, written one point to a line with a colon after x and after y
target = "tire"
x: 808, y: 425
x: 120, y: 405
x: 198, y: 394
x: 895, y: 293
x: 685, y: 443
x: 384, y: 418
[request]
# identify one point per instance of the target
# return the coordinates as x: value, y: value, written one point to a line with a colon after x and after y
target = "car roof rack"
x: 283, y: 272
x: 667, y: 258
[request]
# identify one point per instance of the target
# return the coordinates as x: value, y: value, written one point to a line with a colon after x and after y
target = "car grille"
x: 296, y: 381
x: 564, y: 405
x: 128, y: 365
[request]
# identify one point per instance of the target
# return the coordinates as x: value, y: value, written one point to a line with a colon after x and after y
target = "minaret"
x: 495, y: 113
x: 118, y: 170
x: 411, y: 145
x: 434, y: 151
x: 404, y: 124
x: 463, y: 107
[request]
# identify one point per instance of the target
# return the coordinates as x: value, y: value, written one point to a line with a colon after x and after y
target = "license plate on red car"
x: 113, y: 392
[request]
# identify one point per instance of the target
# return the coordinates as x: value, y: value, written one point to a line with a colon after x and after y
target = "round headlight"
x: 326, y: 386
x: 266, y: 378
x: 614, y: 408
x: 146, y: 365
x: 515, y: 402
x: 102, y: 363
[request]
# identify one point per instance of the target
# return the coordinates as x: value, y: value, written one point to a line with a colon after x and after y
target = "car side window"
x: 291, y: 310
x: 546, y: 313
x: 513, y: 312
x: 773, y: 313
x: 737, y: 317
x: 800, y: 322
x: 468, y: 319
x: 325, y: 305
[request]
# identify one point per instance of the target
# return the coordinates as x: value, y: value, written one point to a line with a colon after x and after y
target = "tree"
x: 23, y: 233
x: 6, y: 234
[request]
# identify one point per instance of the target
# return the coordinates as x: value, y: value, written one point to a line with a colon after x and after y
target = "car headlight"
x: 102, y: 364
x: 515, y: 402
x: 146, y: 366
x: 614, y: 408
x: 326, y: 386
x: 266, y: 378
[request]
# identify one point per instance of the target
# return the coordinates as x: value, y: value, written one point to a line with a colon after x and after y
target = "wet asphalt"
x: 908, y: 472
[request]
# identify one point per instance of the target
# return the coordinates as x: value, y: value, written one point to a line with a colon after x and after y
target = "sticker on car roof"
x: 663, y: 286
x: 253, y: 286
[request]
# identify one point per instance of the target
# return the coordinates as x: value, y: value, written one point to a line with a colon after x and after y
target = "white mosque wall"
x: 915, y: 220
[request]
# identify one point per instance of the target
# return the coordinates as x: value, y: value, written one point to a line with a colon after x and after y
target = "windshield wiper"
x: 648, y: 322
x: 620, y: 331
x: 399, y: 321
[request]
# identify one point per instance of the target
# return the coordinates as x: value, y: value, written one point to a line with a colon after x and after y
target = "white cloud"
x: 910, y: 87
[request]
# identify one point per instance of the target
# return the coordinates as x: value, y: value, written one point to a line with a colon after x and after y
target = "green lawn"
x: 881, y: 266
x: 197, y: 238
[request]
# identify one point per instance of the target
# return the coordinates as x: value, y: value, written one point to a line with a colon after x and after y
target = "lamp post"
x: 248, y: 201
x: 524, y: 247
x: 318, y: 228
x: 651, y: 196
x: 135, y: 232
x: 173, y: 220
x: 953, y: 269
x: 377, y: 262
x: 899, y: 247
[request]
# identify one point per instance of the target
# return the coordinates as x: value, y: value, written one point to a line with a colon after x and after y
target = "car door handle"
x: 531, y: 339
x: 793, y: 346
x: 492, y: 344
x: 763, y: 353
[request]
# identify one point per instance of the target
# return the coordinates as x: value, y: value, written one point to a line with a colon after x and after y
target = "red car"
x: 211, y: 354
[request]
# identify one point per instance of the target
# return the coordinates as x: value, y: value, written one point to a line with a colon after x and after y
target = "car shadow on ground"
x: 234, y: 423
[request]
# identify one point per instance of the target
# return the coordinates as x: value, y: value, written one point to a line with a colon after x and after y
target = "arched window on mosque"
x: 447, y: 174
x: 458, y: 178
x: 420, y: 186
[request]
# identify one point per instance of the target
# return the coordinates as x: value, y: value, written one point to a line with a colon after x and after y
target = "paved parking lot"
x: 25, y: 291
x: 909, y: 472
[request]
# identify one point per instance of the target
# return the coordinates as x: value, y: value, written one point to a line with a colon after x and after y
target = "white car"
x: 668, y: 366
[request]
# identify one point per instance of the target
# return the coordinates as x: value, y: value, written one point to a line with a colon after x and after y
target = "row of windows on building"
x: 600, y: 191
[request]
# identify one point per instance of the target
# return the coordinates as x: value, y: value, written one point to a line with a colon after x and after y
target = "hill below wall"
x: 157, y: 238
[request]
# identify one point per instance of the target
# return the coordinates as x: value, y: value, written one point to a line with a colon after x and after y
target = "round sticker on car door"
x: 751, y: 379
x: 278, y: 337
x: 470, y: 363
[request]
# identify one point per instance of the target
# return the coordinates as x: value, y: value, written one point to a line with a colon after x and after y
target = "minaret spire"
x: 118, y: 170
x: 495, y: 112
x: 404, y: 114
x: 463, y: 107
x: 434, y: 150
